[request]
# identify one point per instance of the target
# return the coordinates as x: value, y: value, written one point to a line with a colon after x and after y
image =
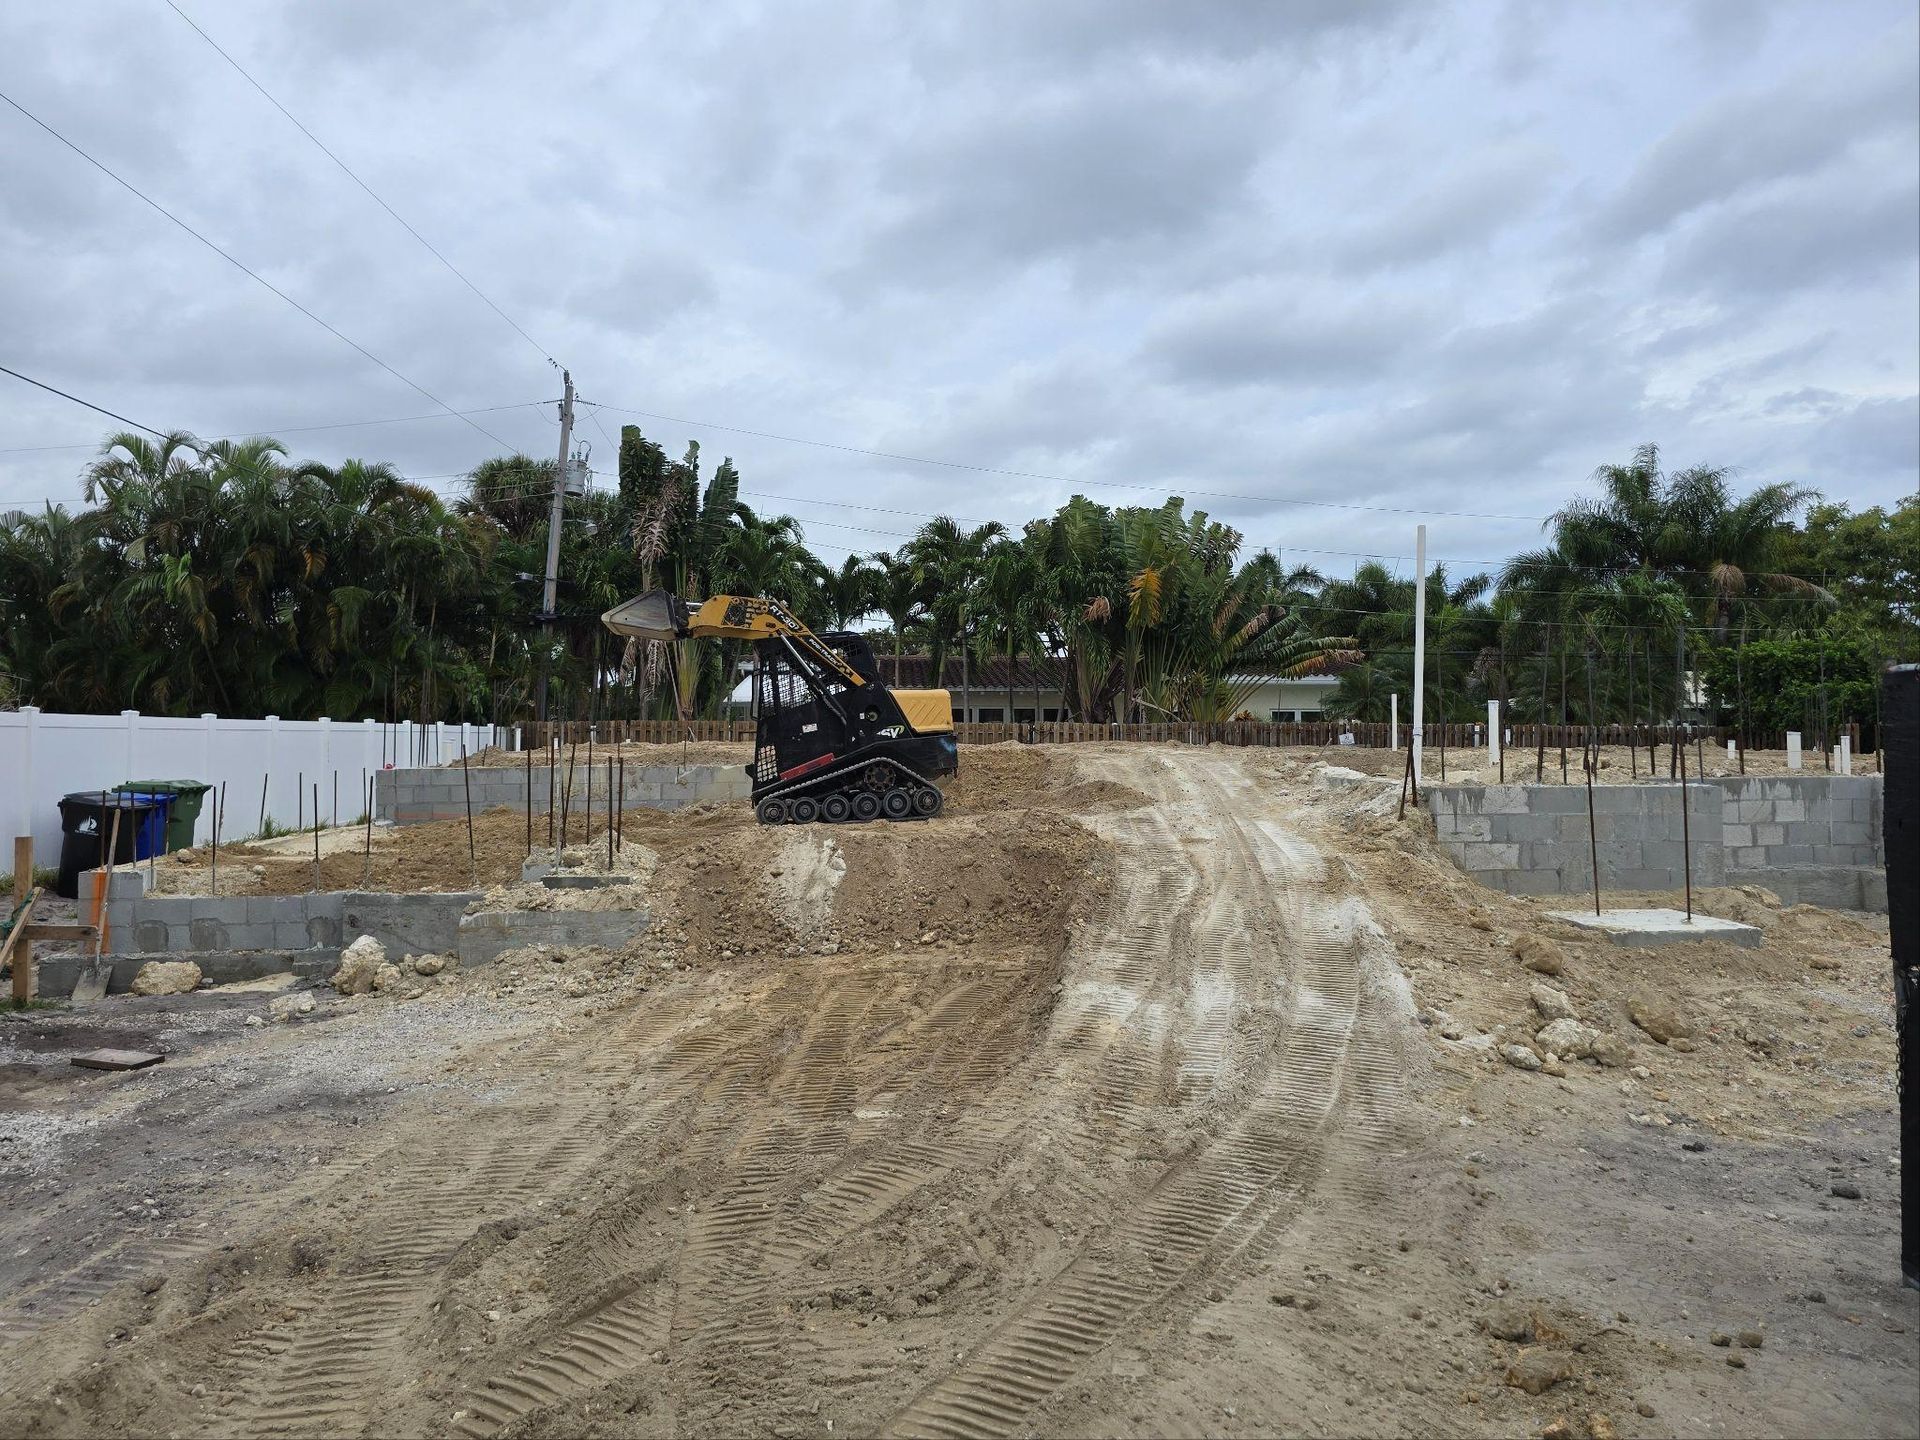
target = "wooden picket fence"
x: 1314, y: 733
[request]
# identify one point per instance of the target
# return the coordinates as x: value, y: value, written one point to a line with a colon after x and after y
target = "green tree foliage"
x: 1807, y: 682
x: 228, y: 576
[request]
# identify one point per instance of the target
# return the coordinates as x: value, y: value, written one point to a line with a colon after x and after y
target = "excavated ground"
x: 1147, y: 1091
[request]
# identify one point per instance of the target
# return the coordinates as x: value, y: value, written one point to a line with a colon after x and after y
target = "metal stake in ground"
x: 466, y: 784
x: 300, y: 800
x: 316, y: 835
x: 1686, y: 839
x: 219, y: 804
x: 366, y: 881
x: 263, y: 804
x: 529, y: 755
x: 609, y: 815
x: 1588, y: 759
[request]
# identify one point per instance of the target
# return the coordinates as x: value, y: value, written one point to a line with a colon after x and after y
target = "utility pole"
x: 550, y: 590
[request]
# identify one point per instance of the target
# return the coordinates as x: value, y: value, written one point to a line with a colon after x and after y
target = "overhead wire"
x: 241, y: 265
x: 371, y: 192
x: 97, y: 409
x: 277, y: 430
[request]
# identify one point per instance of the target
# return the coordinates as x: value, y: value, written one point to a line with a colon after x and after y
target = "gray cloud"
x: 1385, y: 254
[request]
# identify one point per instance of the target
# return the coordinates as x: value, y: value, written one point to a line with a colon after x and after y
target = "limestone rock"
x: 386, y: 977
x: 1511, y: 1322
x: 1539, y: 954
x: 166, y: 977
x: 288, y: 1007
x: 253, y: 1020
x: 359, y: 963
x: 575, y: 985
x: 1538, y: 1370
x: 1658, y: 1021
x: 1600, y: 1427
x: 1552, y: 1003
x: 1520, y: 1057
x: 429, y: 964
x: 1569, y: 1039
x: 1611, y: 1050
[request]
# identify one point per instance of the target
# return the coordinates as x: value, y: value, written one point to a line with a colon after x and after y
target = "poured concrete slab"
x: 1646, y: 928
x: 118, y: 1059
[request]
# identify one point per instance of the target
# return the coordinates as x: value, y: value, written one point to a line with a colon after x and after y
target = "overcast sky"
x: 1432, y: 257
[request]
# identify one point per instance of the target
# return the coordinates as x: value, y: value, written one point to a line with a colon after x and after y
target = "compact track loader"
x: 831, y: 742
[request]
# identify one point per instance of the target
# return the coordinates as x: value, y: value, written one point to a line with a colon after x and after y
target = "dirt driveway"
x: 1112, y: 1103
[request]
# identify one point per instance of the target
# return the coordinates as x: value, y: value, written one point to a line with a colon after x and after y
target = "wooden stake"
x: 24, y: 896
x: 103, y: 877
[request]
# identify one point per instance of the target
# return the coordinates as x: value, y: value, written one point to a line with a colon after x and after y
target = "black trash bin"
x: 86, y: 820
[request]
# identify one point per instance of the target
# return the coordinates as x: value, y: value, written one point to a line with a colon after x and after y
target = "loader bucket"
x: 656, y: 615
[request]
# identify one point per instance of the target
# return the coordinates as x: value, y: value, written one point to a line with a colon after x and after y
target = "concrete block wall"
x: 411, y: 797
x: 1814, y: 838
x: 144, y: 924
x: 483, y: 937
x: 1784, y: 822
x: 1533, y: 839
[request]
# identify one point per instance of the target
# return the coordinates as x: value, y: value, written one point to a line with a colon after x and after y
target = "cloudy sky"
x: 1281, y: 258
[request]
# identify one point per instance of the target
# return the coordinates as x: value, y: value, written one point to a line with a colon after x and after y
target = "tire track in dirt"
x: 1204, y: 1216
x: 322, y: 1371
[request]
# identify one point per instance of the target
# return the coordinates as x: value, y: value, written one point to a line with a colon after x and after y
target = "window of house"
x: 990, y: 714
x: 1053, y: 712
x: 1023, y: 715
x: 1283, y: 715
x: 1313, y: 714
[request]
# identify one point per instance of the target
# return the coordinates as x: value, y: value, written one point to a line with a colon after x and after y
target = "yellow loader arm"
x: 658, y: 615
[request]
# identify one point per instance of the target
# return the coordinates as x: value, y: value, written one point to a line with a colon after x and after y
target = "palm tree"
x: 1685, y: 527
x: 840, y: 597
x: 900, y: 596
x: 948, y: 561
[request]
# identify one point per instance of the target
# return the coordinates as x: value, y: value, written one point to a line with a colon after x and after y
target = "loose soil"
x: 1149, y: 1090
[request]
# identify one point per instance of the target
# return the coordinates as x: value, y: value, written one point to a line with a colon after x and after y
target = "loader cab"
x: 793, y: 728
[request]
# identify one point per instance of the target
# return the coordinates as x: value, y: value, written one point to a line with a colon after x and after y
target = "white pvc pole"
x: 1419, y: 647
x: 1493, y: 733
x: 1793, y: 749
x: 1394, y: 742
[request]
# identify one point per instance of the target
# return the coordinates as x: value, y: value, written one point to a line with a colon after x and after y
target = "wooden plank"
x: 117, y: 1059
x: 21, y: 954
x: 22, y: 868
x: 55, y: 930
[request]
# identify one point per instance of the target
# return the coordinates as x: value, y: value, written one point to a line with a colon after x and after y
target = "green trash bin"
x: 187, y: 795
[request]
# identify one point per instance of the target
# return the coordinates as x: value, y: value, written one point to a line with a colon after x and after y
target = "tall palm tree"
x: 948, y: 562
x: 901, y: 597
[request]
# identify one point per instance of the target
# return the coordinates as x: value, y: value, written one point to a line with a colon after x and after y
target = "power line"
x: 99, y: 409
x: 277, y: 430
x: 348, y: 170
x: 1061, y: 479
x: 243, y: 268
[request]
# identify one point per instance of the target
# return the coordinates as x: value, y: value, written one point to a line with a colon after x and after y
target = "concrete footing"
x: 1648, y: 928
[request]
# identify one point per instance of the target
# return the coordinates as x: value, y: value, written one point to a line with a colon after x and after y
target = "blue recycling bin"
x: 151, y: 836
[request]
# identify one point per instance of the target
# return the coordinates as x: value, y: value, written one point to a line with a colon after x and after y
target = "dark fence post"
x: 1900, y: 741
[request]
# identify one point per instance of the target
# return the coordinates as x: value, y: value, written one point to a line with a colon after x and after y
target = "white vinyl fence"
x: 44, y: 756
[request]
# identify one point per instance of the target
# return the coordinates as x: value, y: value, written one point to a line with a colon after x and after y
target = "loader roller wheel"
x: 771, y: 812
x: 866, y: 806
x: 877, y: 778
x: 926, y: 803
x: 897, y: 804
x: 804, y: 810
x: 835, y: 808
